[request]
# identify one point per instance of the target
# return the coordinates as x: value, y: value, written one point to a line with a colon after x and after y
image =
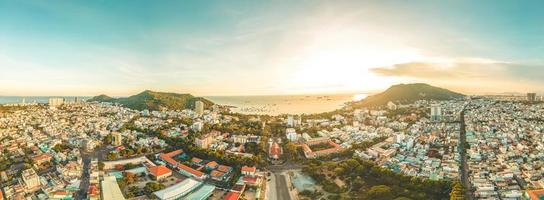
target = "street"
x: 84, y: 184
x: 462, y: 150
x: 278, y: 187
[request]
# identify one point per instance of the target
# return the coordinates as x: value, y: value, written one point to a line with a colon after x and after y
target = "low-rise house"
x: 159, y: 172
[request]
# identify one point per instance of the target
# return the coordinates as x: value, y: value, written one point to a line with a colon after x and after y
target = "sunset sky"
x: 268, y: 47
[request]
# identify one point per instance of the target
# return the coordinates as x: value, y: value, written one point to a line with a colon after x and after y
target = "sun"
x: 341, y: 62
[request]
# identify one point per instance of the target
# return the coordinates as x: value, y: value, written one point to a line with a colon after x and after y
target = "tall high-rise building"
x: 199, y: 107
x: 116, y: 139
x: 31, y: 179
x: 436, y: 112
x: 290, y: 121
x: 531, y: 97
x: 55, y: 102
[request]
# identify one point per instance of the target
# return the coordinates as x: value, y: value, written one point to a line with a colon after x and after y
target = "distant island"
x: 152, y: 100
x: 401, y: 93
x: 408, y: 93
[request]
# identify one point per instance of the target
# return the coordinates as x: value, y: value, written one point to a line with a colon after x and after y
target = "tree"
x: 457, y: 192
x: 153, y: 187
x: 380, y: 192
x: 108, y: 139
x: 129, y: 177
x: 290, y: 151
x: 111, y: 156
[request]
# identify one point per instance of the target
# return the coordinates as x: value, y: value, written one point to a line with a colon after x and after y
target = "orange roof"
x: 535, y: 194
x: 93, y: 190
x: 275, y: 149
x: 174, y: 153
x: 159, y: 170
x: 196, y: 160
x: 61, y: 193
x: 249, y: 179
x: 168, y: 156
x: 190, y: 170
x: 232, y: 196
x: 212, y: 164
x: 223, y: 168
x: 42, y: 156
x: 249, y: 169
x: 216, y: 173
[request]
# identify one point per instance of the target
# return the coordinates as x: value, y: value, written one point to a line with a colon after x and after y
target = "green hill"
x: 151, y: 100
x: 409, y: 93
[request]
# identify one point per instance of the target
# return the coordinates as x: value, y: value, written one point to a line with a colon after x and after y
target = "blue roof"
x: 138, y: 170
x: 202, y: 193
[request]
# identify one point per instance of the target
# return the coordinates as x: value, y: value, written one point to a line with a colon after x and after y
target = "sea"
x: 286, y: 104
x: 269, y: 104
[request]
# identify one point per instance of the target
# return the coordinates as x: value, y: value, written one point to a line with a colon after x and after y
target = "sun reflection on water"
x: 358, y: 97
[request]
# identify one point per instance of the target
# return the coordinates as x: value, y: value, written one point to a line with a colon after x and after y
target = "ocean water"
x: 271, y: 105
x: 285, y: 104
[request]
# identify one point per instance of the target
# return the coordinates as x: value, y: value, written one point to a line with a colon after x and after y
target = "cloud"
x: 474, y: 76
x: 465, y: 71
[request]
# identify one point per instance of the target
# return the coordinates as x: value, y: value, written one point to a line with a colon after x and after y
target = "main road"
x: 278, y: 188
x: 463, y: 153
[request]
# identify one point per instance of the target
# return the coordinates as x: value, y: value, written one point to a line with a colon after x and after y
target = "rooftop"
x: 110, y: 189
x: 178, y: 190
x: 159, y: 170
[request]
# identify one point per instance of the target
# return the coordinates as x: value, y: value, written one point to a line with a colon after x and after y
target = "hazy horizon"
x: 241, y: 48
x: 287, y: 94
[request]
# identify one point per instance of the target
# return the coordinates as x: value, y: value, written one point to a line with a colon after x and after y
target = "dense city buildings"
x: 89, y: 150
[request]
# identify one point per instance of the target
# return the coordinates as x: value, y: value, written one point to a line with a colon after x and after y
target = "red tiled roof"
x: 190, y: 170
x: 212, y: 164
x: 93, y: 190
x: 159, y: 170
x: 216, y: 173
x: 196, y: 160
x: 223, y: 168
x: 174, y: 153
x: 168, y: 156
x: 248, y: 169
x: 249, y: 179
x: 61, y: 193
x: 535, y: 194
x: 275, y: 149
x: 232, y: 196
x: 42, y: 156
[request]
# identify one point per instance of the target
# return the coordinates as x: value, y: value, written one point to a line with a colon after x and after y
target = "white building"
x: 436, y: 112
x: 31, y: 179
x: 55, y: 102
x: 197, y: 126
x: 290, y: 121
x: 199, y: 108
x: 291, y: 134
x: 116, y: 139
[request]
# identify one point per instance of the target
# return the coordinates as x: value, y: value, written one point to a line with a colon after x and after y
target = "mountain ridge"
x: 409, y: 93
x: 152, y: 100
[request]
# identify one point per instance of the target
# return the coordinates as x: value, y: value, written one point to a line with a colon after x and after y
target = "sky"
x: 268, y: 47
